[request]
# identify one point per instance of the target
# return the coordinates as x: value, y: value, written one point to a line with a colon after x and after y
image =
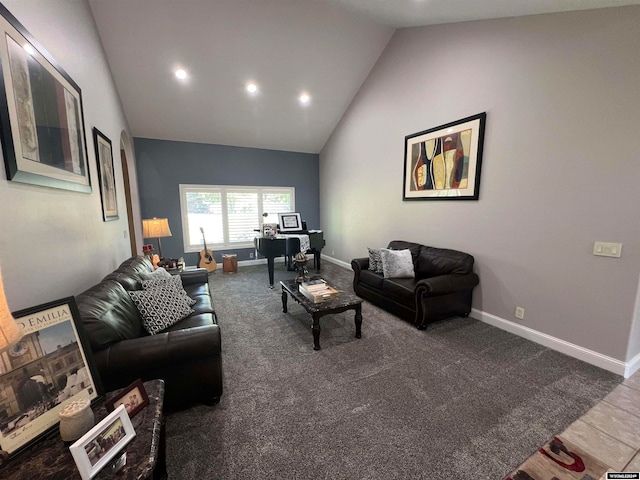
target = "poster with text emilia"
x: 44, y: 371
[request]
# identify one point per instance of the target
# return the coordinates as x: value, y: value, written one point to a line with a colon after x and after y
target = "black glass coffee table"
x: 343, y: 302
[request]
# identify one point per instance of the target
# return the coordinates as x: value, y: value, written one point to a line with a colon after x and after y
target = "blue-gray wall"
x: 163, y: 165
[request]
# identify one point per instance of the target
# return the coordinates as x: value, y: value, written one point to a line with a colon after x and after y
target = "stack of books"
x: 318, y: 291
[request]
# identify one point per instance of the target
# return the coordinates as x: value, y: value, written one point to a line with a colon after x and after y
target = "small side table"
x: 50, y: 458
x: 229, y: 263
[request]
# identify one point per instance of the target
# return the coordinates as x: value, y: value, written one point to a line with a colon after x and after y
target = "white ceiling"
x: 323, y: 47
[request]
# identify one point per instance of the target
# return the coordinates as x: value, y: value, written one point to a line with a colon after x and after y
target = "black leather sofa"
x: 186, y: 355
x: 442, y: 286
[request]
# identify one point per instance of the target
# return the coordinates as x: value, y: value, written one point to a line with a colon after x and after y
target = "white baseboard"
x: 632, y: 366
x: 594, y: 358
x: 258, y: 261
x: 336, y: 261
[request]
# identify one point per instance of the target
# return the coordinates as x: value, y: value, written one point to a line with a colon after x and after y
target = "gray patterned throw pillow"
x: 160, y: 307
x: 173, y: 281
x: 375, y: 262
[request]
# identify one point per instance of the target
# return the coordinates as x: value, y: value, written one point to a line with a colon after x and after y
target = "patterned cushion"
x: 375, y: 262
x: 160, y: 307
x: 173, y: 281
x: 397, y: 263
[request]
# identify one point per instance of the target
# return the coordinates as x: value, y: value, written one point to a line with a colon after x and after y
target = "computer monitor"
x: 289, y: 222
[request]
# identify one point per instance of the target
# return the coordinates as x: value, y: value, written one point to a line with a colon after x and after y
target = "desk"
x: 271, y: 247
x: 50, y: 458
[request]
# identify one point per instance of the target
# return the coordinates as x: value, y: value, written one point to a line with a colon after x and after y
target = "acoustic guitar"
x: 206, y: 259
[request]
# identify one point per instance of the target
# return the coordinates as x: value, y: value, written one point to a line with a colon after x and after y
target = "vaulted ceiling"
x: 324, y: 48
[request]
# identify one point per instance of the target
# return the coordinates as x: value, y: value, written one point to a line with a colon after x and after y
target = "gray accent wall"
x: 560, y: 167
x: 164, y: 164
x: 54, y: 243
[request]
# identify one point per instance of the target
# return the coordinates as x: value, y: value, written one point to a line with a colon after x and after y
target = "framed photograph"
x: 269, y: 229
x: 41, y: 116
x: 106, y: 176
x: 289, y: 222
x: 134, y: 398
x: 443, y: 163
x: 48, y: 368
x: 102, y: 443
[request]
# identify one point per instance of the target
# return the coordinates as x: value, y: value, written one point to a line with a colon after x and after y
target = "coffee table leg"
x: 284, y: 300
x: 316, y: 332
x: 358, y: 320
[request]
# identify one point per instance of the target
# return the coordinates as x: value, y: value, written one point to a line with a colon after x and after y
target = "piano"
x: 272, y: 247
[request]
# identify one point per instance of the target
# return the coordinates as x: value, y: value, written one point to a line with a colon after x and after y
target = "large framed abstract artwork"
x: 106, y: 176
x: 443, y: 163
x: 41, y: 118
x: 47, y: 369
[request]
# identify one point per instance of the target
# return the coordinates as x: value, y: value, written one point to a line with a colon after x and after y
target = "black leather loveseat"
x: 441, y: 287
x: 187, y: 355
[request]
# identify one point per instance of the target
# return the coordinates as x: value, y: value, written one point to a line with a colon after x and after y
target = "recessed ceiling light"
x: 252, y: 87
x: 305, y: 98
x: 29, y: 49
x: 181, y: 73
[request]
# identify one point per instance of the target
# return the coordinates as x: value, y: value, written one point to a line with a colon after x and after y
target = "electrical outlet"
x: 333, y: 252
x: 250, y: 254
x: 520, y: 313
x: 607, y: 249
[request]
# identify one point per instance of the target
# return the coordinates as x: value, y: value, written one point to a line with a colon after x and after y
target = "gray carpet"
x: 461, y: 400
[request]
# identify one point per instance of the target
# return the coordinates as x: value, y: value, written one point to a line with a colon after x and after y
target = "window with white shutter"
x: 229, y: 215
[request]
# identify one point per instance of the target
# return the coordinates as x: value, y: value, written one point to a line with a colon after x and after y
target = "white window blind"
x: 229, y: 215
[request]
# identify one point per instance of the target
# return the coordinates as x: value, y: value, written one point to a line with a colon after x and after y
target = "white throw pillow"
x: 157, y: 274
x: 397, y: 263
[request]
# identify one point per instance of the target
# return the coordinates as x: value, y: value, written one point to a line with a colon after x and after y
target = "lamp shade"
x: 10, y: 331
x: 155, y: 228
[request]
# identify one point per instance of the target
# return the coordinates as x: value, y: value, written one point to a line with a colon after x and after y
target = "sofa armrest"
x: 136, y: 356
x: 359, y: 264
x: 443, y: 284
x: 196, y: 275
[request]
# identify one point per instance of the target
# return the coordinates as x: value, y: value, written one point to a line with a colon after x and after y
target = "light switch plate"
x: 607, y: 249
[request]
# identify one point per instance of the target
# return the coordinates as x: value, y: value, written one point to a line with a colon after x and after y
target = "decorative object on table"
x: 10, y: 331
x: 102, y: 443
x: 156, y: 228
x: 301, y: 267
x: 171, y: 263
x: 289, y: 222
x: 41, y: 145
x: 318, y: 290
x: 10, y: 336
x: 443, y: 163
x: 147, y: 251
x: 76, y: 419
x: 134, y: 398
x: 106, y: 175
x: 155, y: 260
x: 50, y: 367
x: 269, y: 230
x: 206, y: 259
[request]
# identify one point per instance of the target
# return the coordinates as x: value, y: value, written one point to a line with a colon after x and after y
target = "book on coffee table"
x: 318, y: 291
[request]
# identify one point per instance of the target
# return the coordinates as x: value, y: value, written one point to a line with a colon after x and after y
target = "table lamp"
x: 10, y: 331
x: 10, y: 334
x: 156, y: 228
